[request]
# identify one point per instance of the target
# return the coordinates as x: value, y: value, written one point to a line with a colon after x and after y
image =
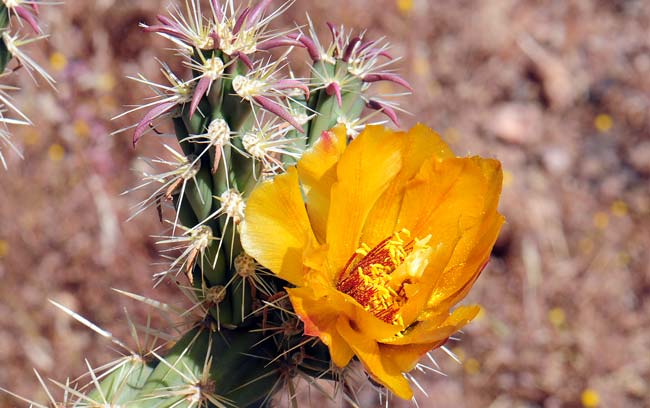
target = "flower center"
x: 379, y: 278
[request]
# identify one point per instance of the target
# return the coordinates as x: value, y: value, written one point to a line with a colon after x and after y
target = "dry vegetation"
x: 557, y: 90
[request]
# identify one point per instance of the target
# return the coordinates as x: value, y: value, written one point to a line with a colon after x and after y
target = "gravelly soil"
x: 559, y: 91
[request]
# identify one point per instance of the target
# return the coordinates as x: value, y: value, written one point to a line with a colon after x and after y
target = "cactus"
x: 10, y: 49
x: 239, y: 118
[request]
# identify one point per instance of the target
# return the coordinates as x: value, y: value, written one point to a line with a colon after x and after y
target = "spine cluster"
x: 234, y: 117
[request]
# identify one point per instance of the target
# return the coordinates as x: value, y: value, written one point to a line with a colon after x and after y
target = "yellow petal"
x: 276, y: 230
x: 320, y: 318
x: 458, y: 278
x: 419, y: 145
x: 382, y: 368
x: 407, y: 356
x: 369, y: 164
x: 436, y: 328
x: 452, y: 197
x: 317, y: 171
x: 419, y: 292
x: 473, y: 250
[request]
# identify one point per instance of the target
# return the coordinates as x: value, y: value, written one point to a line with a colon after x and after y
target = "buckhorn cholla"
x: 13, y: 15
x: 307, y: 240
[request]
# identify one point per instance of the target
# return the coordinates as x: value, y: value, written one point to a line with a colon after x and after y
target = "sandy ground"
x: 559, y: 91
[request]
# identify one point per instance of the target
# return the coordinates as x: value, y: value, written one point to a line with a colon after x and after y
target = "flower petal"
x: 317, y: 171
x: 382, y: 368
x: 436, y: 328
x: 276, y: 230
x: 407, y: 356
x: 320, y: 319
x: 451, y: 197
x: 419, y: 145
x: 370, y: 162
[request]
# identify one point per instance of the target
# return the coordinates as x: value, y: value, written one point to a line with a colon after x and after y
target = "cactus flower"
x: 378, y: 240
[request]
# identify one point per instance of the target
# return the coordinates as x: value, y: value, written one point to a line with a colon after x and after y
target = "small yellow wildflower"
x: 619, y: 208
x: 56, y: 152
x: 58, y: 61
x: 601, y: 220
x: 603, y: 123
x: 4, y: 248
x: 590, y: 398
x: 472, y: 366
x: 81, y: 128
x: 405, y: 6
x: 557, y: 317
x: 379, y: 240
x: 105, y: 82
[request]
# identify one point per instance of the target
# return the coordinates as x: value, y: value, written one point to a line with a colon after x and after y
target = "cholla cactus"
x: 17, y: 13
x: 305, y: 244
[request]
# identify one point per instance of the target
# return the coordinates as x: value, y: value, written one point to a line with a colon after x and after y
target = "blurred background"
x: 559, y: 91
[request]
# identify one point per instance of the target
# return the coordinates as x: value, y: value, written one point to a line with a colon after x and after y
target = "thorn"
x: 350, y: 48
x: 278, y: 110
x: 309, y: 44
x: 385, y: 76
x: 240, y: 21
x: 387, y: 110
x: 29, y: 17
x: 285, y: 41
x: 200, y: 90
x: 149, y: 117
x: 244, y: 58
x: 335, y: 89
x: 256, y: 13
x: 292, y: 84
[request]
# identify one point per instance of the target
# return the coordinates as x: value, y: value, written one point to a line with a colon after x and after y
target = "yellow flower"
x: 379, y: 239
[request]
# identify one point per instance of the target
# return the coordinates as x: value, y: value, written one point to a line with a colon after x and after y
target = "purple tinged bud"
x: 385, y: 76
x: 244, y: 58
x: 217, y: 159
x: 350, y: 48
x: 335, y: 89
x: 165, y: 30
x: 26, y: 15
x: 217, y: 10
x: 278, y: 110
x: 333, y: 30
x: 309, y: 44
x: 292, y: 84
x: 149, y: 117
x: 35, y: 8
x: 279, y: 42
x: 240, y: 21
x: 387, y: 110
x: 200, y: 90
x: 336, y: 38
x: 215, y: 39
x: 367, y: 45
x: 374, y: 52
x: 256, y: 13
x: 383, y: 53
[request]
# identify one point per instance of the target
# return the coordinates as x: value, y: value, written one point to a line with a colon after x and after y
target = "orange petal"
x: 320, y: 317
x: 407, y: 356
x: 380, y: 366
x: 276, y: 230
x: 451, y: 197
x: 456, y: 281
x: 436, y: 328
x: 369, y: 164
x: 317, y: 171
x: 419, y: 292
x: 419, y: 145
x: 473, y: 250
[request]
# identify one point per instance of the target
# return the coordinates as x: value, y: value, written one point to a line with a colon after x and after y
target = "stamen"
x: 368, y: 276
